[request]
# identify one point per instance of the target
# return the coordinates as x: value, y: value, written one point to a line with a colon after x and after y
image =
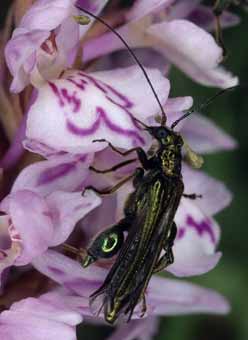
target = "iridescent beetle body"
x: 149, y: 219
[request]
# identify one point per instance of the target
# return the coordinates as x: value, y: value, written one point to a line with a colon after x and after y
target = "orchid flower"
x: 42, y: 209
x: 165, y: 27
x: 87, y: 107
x: 42, y: 318
x: 45, y: 42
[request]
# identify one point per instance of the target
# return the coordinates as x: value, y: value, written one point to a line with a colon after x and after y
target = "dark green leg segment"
x: 168, y: 257
x: 109, y: 191
x: 218, y: 9
x: 123, y: 153
x: 113, y: 168
x: 192, y: 196
x: 138, y: 176
x: 144, y: 307
x: 145, y: 162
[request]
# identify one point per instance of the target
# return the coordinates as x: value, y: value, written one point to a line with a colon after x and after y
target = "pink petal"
x: 47, y: 14
x: 164, y: 297
x: 193, y: 50
x: 39, y: 319
x: 172, y: 297
x: 142, y: 8
x: 105, y: 44
x: 69, y: 273
x: 197, y: 238
x: 30, y: 216
x: 18, y: 51
x: 204, y: 136
x: 67, y: 209
x: 178, y: 104
x: 98, y: 219
x: 132, y: 83
x: 174, y: 108
x: 62, y: 173
x: 21, y: 46
x: 86, y: 108
x: 55, y: 311
x: 66, y: 46
x: 68, y: 300
x: 215, y: 195
x: 31, y: 55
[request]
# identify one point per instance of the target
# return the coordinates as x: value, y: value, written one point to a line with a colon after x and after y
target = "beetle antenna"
x: 203, y: 105
x: 164, y: 117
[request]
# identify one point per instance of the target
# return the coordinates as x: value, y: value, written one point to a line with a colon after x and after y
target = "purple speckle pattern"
x: 203, y: 227
x: 55, y: 271
x: 79, y: 83
x: 181, y: 233
x: 102, y: 118
x: 54, y: 173
x: 71, y: 101
x: 65, y: 97
x: 114, y: 96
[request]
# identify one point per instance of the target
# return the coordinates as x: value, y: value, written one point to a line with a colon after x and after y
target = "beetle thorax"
x: 170, y: 158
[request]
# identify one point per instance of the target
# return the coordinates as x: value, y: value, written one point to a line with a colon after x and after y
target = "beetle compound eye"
x: 109, y: 243
x: 162, y: 133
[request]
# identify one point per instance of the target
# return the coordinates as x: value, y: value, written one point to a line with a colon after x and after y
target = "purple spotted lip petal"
x: 181, y: 233
x: 201, y: 231
x: 63, y: 172
x: 203, y: 227
x: 102, y: 118
x: 88, y: 107
x: 56, y: 172
x: 64, y: 97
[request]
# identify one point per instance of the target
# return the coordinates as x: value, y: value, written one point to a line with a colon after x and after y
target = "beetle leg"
x: 168, y: 257
x: 113, y: 168
x: 143, y: 307
x: 192, y: 196
x: 123, y: 153
x: 138, y: 176
x: 80, y: 252
x: 145, y: 162
x: 109, y: 191
x: 218, y: 9
x: 164, y: 261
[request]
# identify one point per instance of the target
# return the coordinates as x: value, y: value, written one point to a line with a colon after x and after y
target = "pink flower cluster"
x: 67, y: 109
